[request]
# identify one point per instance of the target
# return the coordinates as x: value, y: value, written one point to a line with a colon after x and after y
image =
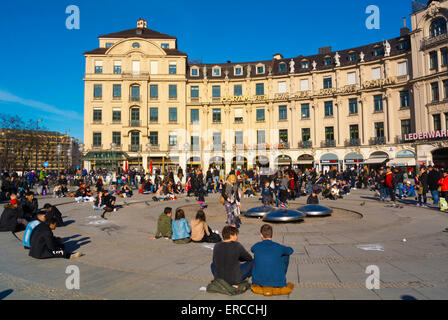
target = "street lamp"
x: 67, y: 150
x: 37, y: 143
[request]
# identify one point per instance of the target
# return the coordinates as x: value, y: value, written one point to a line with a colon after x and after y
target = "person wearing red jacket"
x: 443, y: 182
x: 389, y: 182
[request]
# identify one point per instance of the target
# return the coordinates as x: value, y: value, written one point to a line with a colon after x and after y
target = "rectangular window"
x: 154, y: 91
x: 195, y: 144
x: 216, y: 115
x: 194, y: 72
x: 282, y: 113
x: 282, y: 67
x: 445, y: 89
x: 351, y: 78
x: 135, y: 141
x: 154, y: 138
x: 328, y: 61
x: 172, y: 139
x: 304, y: 85
x: 98, y: 66
x: 97, y: 139
x: 433, y: 63
x: 194, y: 115
x: 239, y: 140
x: 305, y: 110
x: 172, y: 68
x: 328, y: 83
x: 282, y: 87
x: 238, y: 114
x: 117, y: 67
x: 165, y: 45
x: 216, y: 91
x: 109, y: 44
x: 216, y: 72
x: 261, y: 138
x: 172, y: 114
x: 173, y: 91
x: 259, y: 89
x: 97, y: 91
x: 378, y: 52
x: 154, y: 67
x: 283, y: 135
x: 404, y: 99
x: 378, y: 103
x: 353, y: 106
x: 136, y: 68
x: 153, y: 114
x: 306, y: 134
x: 329, y: 133
x: 97, y: 115
x: 437, y: 122
x: 328, y: 108
x: 116, y: 115
x: 217, y: 145
x: 260, y: 69
x: 379, y: 129
x: 376, y: 73
x: 117, y: 91
x: 405, y: 126
x: 260, y: 114
x: 305, y: 65
x: 435, y: 91
x: 444, y: 54
x: 354, y: 132
x: 238, y: 71
x: 403, y: 68
x: 237, y: 90
x: 135, y: 93
x: 194, y: 91
x: 353, y: 57
x: 116, y: 138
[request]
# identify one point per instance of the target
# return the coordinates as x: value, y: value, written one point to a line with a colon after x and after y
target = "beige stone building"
x: 146, y: 104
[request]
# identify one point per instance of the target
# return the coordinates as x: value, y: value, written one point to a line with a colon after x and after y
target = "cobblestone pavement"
x: 329, y: 260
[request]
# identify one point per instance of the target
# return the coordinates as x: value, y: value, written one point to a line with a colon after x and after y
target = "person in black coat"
x: 29, y: 206
x: 10, y: 219
x: 433, y: 183
x: 109, y: 202
x: 53, y: 212
x: 45, y: 245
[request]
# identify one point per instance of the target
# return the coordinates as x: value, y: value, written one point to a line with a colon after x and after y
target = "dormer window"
x: 135, y: 45
x: 403, y: 45
x: 109, y: 44
x: 165, y: 45
x: 194, y: 72
x: 216, y: 71
x: 282, y: 67
x: 378, y: 52
x: 305, y: 64
x: 260, y: 69
x: 328, y: 61
x: 353, y: 57
x: 238, y: 71
x: 437, y: 27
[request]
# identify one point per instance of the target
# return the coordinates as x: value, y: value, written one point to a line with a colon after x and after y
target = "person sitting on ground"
x: 313, y: 198
x: 41, y: 217
x: 98, y: 204
x: 160, y: 195
x: 126, y: 191
x: 44, y: 245
x: 336, y: 192
x: 53, y: 212
x: 178, y: 189
x: 80, y: 194
x: 409, y: 190
x: 181, y: 229
x: 164, y: 223
x: 57, y: 191
x: 328, y: 193
x: 89, y: 195
x: 201, y: 232
x: 271, y: 260
x: 29, y: 206
x: 227, y: 258
x: 11, y: 218
x: 109, y: 203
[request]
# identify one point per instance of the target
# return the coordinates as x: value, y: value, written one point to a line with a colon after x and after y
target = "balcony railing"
x: 328, y: 143
x: 154, y: 147
x: 135, y: 75
x: 117, y: 147
x: 433, y: 41
x: 135, y: 147
x: 135, y: 123
x: 305, y: 144
x: 97, y: 147
x: 377, y: 141
x: 195, y: 147
x: 135, y: 98
x: 283, y: 145
x: 352, y: 142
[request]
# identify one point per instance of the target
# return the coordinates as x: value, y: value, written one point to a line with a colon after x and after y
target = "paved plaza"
x: 329, y: 261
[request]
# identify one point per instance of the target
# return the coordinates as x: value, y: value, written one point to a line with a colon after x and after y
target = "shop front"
x: 353, y: 159
x: 305, y: 161
x: 377, y: 159
x: 109, y: 160
x: 329, y: 161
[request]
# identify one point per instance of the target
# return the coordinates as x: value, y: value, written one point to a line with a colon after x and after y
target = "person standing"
x: 443, y: 182
x: 423, y: 188
x: 389, y: 182
x: 433, y: 183
x: 231, y: 196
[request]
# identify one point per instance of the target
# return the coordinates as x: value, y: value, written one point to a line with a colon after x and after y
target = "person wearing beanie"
x: 11, y: 219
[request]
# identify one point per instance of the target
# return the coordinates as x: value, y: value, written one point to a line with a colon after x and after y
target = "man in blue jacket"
x: 271, y: 260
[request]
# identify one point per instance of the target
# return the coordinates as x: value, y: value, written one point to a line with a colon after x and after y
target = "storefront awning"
x: 304, y: 162
x: 106, y: 156
x: 377, y: 160
x: 402, y: 162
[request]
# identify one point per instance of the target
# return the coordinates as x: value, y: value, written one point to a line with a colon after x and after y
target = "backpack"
x: 221, y: 286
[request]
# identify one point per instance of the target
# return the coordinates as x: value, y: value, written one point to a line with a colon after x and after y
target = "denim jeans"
x: 435, y: 196
x: 399, y: 186
x: 420, y: 196
x: 383, y: 193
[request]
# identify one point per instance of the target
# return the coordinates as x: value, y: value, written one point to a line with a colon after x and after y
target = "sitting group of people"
x: 39, y: 225
x: 180, y: 232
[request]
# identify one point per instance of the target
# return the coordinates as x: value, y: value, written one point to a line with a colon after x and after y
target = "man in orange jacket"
x: 443, y: 182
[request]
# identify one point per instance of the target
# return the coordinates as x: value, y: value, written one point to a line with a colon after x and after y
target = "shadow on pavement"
x: 74, y: 245
x: 5, y: 293
x: 68, y: 222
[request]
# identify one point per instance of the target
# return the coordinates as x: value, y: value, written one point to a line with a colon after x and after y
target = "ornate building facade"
x: 146, y: 105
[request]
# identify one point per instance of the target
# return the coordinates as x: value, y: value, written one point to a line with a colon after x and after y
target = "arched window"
x: 135, y: 45
x: 437, y: 27
x: 135, y: 93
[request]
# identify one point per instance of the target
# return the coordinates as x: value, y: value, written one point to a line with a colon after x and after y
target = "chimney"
x: 278, y: 56
x: 325, y: 50
x: 404, y: 31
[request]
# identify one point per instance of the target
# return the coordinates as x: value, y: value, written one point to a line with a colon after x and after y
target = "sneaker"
x: 75, y: 255
x: 418, y: 205
x: 115, y: 210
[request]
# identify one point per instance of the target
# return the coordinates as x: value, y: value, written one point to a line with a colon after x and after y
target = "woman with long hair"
x: 231, y: 198
x: 181, y: 229
x: 200, y: 231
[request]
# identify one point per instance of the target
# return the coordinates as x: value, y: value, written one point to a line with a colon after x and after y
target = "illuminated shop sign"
x: 426, y: 135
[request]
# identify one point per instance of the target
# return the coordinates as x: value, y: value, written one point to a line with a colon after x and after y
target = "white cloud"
x: 9, y: 97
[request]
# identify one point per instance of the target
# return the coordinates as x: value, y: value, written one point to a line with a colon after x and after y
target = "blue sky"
x: 43, y: 62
